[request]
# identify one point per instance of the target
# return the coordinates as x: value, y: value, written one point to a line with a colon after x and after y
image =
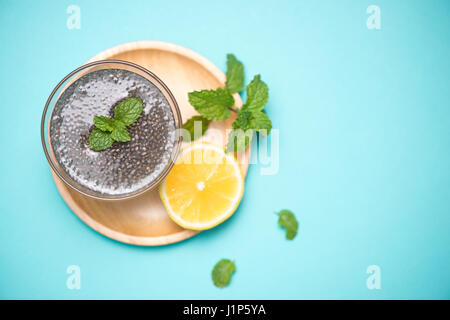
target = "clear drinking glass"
x: 69, y: 79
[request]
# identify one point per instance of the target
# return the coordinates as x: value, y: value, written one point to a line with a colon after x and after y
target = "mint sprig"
x: 235, y: 74
x: 104, y: 123
x: 128, y: 111
x: 109, y: 130
x: 212, y: 104
x: 257, y: 95
x: 217, y: 105
x: 100, y: 140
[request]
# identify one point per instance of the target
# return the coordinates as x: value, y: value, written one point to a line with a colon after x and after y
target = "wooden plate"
x: 143, y: 220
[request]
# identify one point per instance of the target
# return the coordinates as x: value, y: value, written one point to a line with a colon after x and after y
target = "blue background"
x: 364, y: 120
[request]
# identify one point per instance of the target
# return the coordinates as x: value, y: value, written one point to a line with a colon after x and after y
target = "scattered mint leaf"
x: 235, y: 74
x: 100, y: 140
x: 288, y: 221
x: 128, y: 111
x: 238, y: 140
x: 212, y: 104
x: 222, y: 272
x: 196, y: 121
x: 104, y: 123
x: 120, y: 135
x: 257, y: 95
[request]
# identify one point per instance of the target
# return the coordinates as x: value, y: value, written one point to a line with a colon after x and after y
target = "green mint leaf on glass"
x: 287, y: 220
x: 222, y: 272
x: 235, y: 74
x: 212, y: 104
x: 257, y: 95
x: 128, y: 111
x: 196, y: 126
x: 100, y: 140
x: 120, y: 135
x: 109, y: 130
x: 104, y: 123
x: 116, y: 124
x: 238, y: 140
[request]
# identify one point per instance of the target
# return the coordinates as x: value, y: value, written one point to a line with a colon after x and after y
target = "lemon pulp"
x: 203, y: 188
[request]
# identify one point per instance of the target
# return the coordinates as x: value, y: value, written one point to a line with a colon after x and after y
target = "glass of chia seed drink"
x: 126, y: 169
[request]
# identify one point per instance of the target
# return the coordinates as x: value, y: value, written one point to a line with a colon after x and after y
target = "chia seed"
x: 127, y: 166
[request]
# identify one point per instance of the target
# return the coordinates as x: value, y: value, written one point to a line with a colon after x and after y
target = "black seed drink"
x: 126, y: 166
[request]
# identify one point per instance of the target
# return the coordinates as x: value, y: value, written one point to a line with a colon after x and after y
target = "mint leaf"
x: 195, y: 122
x: 235, y: 74
x: 238, y: 140
x: 222, y: 272
x: 109, y: 130
x: 100, y: 140
x: 242, y: 120
x: 128, y: 111
x: 117, y: 124
x: 257, y: 95
x: 260, y: 121
x: 288, y: 221
x: 120, y: 135
x: 257, y: 120
x: 104, y: 123
x: 212, y: 104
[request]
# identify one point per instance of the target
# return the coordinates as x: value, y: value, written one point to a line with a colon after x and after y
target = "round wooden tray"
x: 143, y: 220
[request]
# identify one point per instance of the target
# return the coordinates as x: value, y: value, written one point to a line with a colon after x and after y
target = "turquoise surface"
x: 364, y: 123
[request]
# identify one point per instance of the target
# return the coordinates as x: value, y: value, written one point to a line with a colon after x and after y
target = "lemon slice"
x: 203, y: 188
